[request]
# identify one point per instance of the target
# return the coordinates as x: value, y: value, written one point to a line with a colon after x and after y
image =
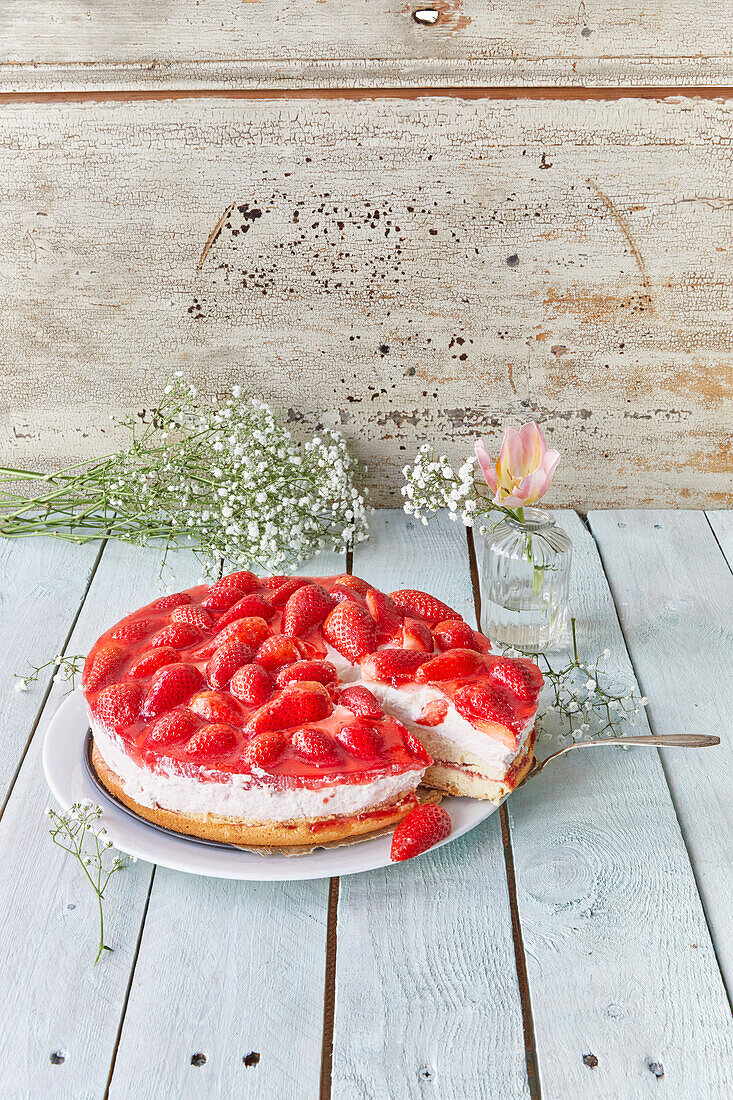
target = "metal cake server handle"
x: 680, y: 740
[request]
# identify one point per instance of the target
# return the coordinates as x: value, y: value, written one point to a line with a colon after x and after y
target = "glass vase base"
x: 530, y: 630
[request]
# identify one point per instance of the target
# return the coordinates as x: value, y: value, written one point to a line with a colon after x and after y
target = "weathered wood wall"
x: 362, y: 43
x: 403, y: 264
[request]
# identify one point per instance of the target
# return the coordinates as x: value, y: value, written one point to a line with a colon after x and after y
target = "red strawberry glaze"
x: 192, y: 635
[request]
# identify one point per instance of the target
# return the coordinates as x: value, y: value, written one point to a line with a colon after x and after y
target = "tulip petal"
x: 485, y: 463
x: 533, y: 442
x: 510, y: 466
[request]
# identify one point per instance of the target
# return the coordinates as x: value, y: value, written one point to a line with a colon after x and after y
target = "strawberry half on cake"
x: 283, y: 711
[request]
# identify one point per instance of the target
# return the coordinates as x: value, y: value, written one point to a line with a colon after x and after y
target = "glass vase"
x: 526, y: 573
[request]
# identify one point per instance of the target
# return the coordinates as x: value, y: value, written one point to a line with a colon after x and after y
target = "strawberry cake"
x: 283, y: 711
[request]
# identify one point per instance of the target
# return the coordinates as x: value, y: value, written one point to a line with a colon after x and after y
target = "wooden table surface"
x: 576, y: 944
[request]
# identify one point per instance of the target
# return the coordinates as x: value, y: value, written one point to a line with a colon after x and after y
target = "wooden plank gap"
x: 49, y: 686
x: 665, y: 773
x: 329, y: 994
x: 715, y: 536
x: 130, y: 980
x: 520, y: 962
x: 565, y: 92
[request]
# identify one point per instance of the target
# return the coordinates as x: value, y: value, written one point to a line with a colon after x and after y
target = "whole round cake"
x: 283, y: 711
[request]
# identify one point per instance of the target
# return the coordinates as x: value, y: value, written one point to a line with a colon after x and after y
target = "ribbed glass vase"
x: 526, y: 572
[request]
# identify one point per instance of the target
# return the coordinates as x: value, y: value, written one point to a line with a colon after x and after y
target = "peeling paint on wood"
x: 404, y: 271
x: 290, y: 43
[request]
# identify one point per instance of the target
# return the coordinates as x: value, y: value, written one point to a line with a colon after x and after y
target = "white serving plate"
x: 69, y: 780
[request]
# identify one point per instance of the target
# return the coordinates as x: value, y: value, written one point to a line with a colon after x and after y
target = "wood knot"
x: 251, y: 1059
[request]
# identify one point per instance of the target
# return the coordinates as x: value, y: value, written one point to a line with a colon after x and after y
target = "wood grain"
x: 42, y: 583
x: 674, y: 594
x: 243, y: 968
x: 55, y: 1000
x: 280, y: 43
x: 426, y: 989
x: 401, y: 270
x: 620, y: 962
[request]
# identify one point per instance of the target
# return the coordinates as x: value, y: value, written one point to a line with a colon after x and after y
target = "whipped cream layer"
x: 406, y: 704
x: 238, y: 796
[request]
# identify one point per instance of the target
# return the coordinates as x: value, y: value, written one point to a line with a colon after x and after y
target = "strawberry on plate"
x: 305, y: 609
x: 392, y: 666
x: 351, y: 630
x: 102, y: 666
x: 414, y: 602
x: 423, y: 827
x: 171, y: 685
x: 453, y: 664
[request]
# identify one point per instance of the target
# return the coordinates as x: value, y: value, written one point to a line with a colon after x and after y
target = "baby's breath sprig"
x: 75, y: 832
x: 431, y: 483
x: 227, y: 481
x: 66, y: 671
x: 581, y: 698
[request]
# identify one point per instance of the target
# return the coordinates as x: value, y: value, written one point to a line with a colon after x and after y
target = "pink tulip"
x: 523, y: 470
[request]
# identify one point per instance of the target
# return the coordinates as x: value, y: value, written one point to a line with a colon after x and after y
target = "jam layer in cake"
x: 241, y: 709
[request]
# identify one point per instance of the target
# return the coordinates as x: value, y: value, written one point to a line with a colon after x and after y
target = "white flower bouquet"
x: 227, y: 480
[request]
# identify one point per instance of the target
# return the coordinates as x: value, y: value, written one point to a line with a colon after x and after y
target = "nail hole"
x: 251, y: 1059
x: 198, y: 1059
x: 57, y: 1058
x: 622, y: 524
x: 71, y: 905
x: 590, y: 1060
x: 657, y: 527
x: 655, y: 1067
x: 427, y: 1074
x: 426, y: 17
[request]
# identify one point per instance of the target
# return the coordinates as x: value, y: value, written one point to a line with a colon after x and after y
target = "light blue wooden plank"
x: 427, y: 999
x: 55, y: 999
x: 42, y: 583
x: 619, y: 958
x: 674, y: 593
x: 227, y: 968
